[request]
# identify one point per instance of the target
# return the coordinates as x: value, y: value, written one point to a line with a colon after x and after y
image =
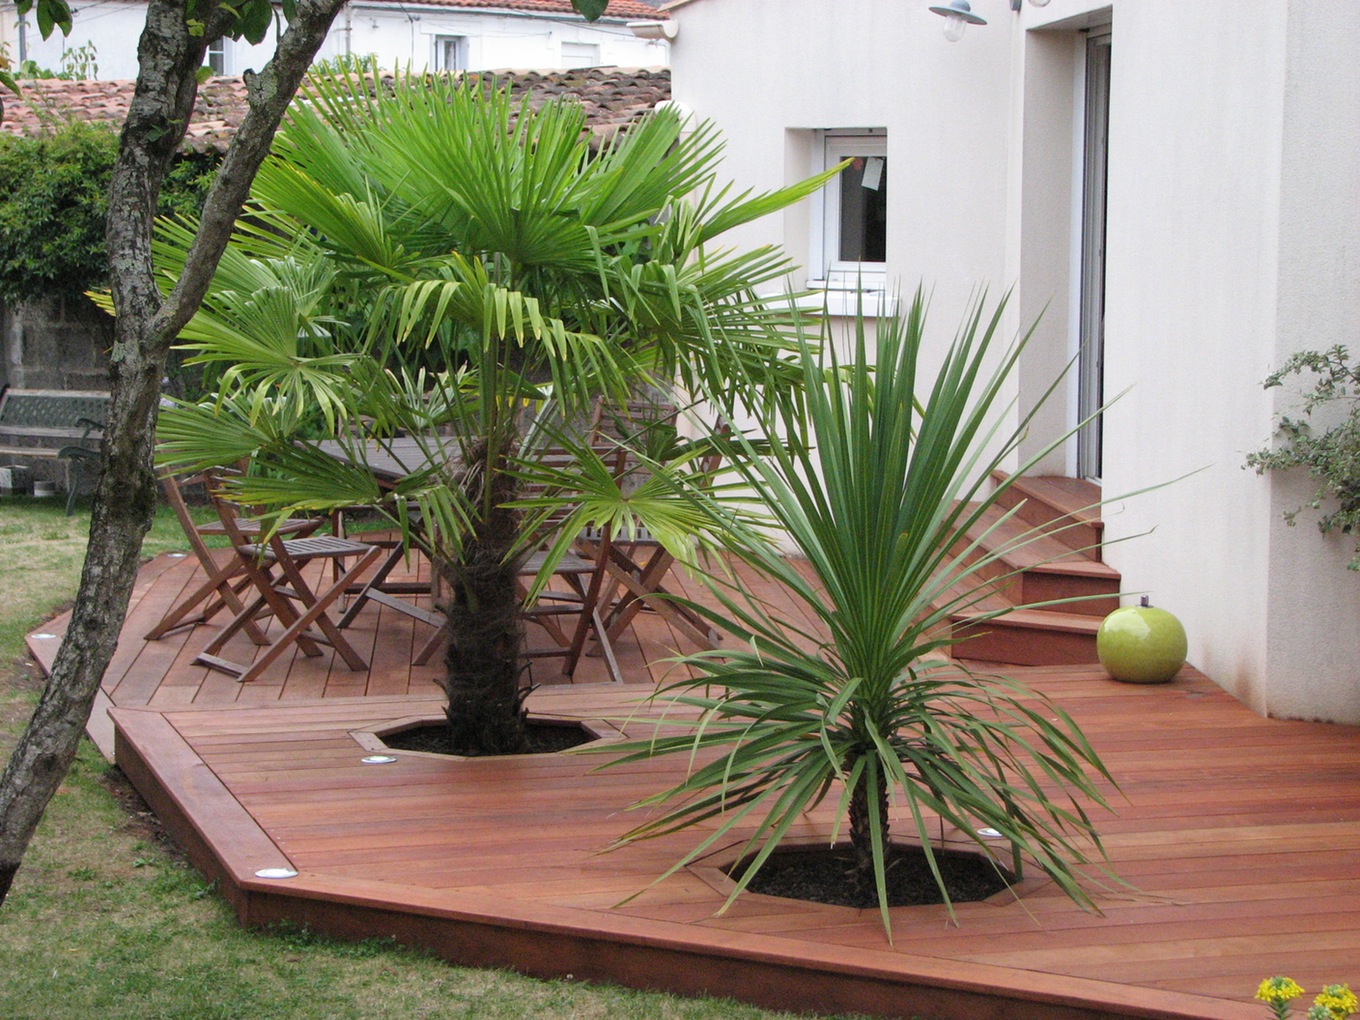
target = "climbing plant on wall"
x: 53, y: 207
x: 1322, y: 436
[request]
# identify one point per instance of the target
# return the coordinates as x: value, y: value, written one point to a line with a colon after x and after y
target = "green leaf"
x: 254, y: 21
x: 590, y: 9
x: 53, y: 14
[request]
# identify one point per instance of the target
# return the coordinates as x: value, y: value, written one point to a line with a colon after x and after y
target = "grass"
x: 107, y: 920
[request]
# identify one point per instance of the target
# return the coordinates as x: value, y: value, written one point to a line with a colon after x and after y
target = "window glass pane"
x: 217, y: 56
x: 864, y: 210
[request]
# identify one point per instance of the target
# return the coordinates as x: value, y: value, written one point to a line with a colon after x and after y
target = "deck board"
x: 1239, y: 835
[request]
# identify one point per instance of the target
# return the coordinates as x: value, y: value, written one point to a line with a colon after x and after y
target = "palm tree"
x: 421, y: 256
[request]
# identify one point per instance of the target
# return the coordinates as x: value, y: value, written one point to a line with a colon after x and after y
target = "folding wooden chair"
x: 584, y: 575
x: 226, y: 579
x: 275, y: 568
x: 399, y: 595
x: 637, y: 567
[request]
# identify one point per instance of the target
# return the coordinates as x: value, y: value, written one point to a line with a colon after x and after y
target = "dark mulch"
x: 826, y: 876
x: 544, y: 738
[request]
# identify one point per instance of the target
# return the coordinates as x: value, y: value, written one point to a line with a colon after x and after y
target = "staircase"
x: 1064, y: 563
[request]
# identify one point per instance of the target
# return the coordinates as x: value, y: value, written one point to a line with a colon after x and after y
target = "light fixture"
x: 958, y: 15
x: 276, y: 873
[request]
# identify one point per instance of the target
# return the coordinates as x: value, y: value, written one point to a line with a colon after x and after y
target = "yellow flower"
x: 1278, y: 990
x: 1338, y: 1000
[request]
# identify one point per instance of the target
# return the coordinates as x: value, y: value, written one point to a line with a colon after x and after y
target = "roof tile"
x: 611, y: 96
x: 618, y: 9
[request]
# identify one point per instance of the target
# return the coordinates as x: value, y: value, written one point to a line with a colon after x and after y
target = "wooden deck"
x: 1241, y: 834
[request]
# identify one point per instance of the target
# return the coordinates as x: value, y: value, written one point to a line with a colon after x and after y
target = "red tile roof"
x: 611, y: 96
x: 618, y: 9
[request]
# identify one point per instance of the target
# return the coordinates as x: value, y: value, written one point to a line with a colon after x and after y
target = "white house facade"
x: 422, y: 34
x: 1169, y: 188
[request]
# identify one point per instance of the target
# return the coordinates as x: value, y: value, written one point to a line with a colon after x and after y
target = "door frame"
x: 1095, y: 116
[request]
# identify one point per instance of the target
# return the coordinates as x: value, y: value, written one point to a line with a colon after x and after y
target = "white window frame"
x: 843, y: 280
x: 221, y: 49
x: 573, y: 61
x: 439, y: 47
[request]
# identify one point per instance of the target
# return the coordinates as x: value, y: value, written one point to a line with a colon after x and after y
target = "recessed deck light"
x: 989, y: 833
x: 378, y: 759
x: 276, y: 873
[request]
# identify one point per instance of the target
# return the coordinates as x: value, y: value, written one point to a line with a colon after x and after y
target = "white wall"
x: 761, y: 69
x: 1228, y: 251
x: 1192, y: 257
x: 1233, y: 227
x: 1313, y: 664
x: 399, y: 35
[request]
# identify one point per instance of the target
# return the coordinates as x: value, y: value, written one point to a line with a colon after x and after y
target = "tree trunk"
x: 861, y: 834
x: 125, y: 499
x: 485, y: 626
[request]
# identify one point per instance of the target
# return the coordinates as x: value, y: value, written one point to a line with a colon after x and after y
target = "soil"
x: 824, y: 876
x: 544, y: 738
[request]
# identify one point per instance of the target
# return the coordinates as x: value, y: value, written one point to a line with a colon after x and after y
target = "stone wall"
x: 55, y: 344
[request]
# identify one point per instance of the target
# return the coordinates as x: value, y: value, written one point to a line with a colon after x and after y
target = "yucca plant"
x: 880, y: 474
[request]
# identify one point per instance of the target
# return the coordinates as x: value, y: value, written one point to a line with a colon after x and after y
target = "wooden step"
x: 1068, y: 508
x: 1047, y: 551
x: 1027, y: 637
x: 1051, y: 636
x: 1043, y: 568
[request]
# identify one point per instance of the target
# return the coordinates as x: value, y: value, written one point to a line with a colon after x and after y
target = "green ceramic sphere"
x: 1141, y: 645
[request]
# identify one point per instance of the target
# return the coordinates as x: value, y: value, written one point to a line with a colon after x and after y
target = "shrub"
x: 53, y: 203
x: 1331, y: 454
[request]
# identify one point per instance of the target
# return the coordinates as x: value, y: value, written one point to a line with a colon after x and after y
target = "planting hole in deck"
x: 430, y: 735
x: 822, y: 874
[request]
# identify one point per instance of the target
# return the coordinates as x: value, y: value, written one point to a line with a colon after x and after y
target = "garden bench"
x: 46, y: 426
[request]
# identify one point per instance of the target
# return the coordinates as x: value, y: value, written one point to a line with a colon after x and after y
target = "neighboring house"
x: 422, y: 34
x: 1171, y: 189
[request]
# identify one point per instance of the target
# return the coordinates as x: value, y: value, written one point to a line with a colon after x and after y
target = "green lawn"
x: 106, y: 920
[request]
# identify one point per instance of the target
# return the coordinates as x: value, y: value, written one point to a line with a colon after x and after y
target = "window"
x: 450, y: 53
x: 217, y: 56
x: 575, y: 54
x: 850, y: 231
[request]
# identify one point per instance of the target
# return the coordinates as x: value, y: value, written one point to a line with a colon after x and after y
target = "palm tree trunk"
x: 485, y: 628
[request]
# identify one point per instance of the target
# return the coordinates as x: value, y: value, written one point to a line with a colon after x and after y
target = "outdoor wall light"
x: 958, y: 15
